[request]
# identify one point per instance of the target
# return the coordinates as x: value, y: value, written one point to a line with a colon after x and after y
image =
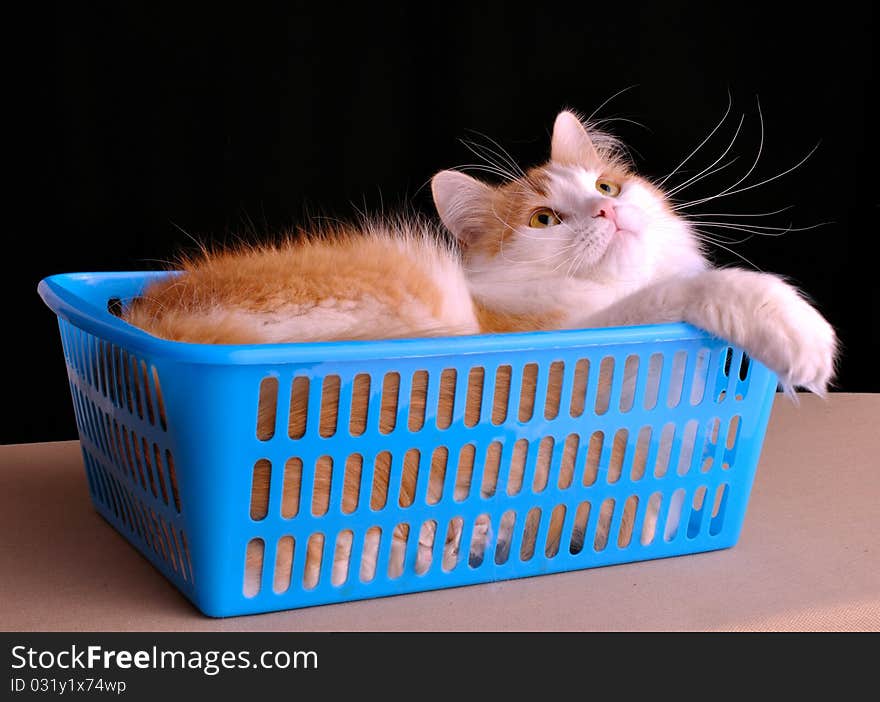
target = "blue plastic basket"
x: 171, y: 448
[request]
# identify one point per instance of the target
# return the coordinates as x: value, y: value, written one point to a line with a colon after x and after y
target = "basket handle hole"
x: 114, y: 306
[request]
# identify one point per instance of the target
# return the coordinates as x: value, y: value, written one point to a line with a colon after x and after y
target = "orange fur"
x: 338, y: 263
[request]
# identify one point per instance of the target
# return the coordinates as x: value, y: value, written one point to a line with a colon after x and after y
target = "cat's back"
x: 381, y: 280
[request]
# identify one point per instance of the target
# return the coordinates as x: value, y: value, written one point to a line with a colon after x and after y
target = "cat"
x: 618, y: 253
x: 579, y: 241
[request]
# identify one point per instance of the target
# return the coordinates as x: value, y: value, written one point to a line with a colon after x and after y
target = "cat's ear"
x: 463, y: 204
x: 571, y: 144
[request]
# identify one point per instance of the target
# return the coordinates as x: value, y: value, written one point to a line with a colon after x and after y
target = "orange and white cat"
x: 580, y: 241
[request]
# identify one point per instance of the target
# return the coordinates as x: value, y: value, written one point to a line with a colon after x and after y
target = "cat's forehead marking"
x: 572, y: 183
x: 586, y: 179
x: 538, y: 179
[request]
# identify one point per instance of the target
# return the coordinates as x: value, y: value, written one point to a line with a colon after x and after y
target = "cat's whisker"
x: 691, y: 182
x: 702, y: 143
x: 571, y: 265
x: 736, y: 214
x: 504, y: 175
x: 579, y: 253
x: 617, y: 94
x: 768, y: 231
x: 721, y: 239
x: 570, y: 261
x: 563, y: 250
x: 502, y: 161
x: 576, y: 262
x: 499, y: 168
x: 542, y: 238
x: 607, y: 120
x: 497, y: 156
x: 742, y: 229
x: 757, y: 157
x: 699, y: 176
x: 502, y: 153
x: 735, y: 253
x: 750, y: 187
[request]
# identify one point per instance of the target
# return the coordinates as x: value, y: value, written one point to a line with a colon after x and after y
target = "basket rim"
x: 71, y: 296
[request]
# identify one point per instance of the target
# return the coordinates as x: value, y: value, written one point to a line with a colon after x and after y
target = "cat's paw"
x: 787, y: 334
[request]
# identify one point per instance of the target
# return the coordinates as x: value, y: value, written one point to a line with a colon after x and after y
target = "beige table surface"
x: 808, y: 557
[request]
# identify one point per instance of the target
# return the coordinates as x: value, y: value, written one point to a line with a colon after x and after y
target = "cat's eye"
x: 543, y: 218
x: 608, y: 187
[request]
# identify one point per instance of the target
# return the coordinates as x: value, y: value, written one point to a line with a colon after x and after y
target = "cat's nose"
x: 606, y: 210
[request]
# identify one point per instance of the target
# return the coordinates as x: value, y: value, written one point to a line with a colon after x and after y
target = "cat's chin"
x: 620, y: 249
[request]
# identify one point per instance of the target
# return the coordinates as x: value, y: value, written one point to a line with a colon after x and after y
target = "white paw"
x: 783, y: 331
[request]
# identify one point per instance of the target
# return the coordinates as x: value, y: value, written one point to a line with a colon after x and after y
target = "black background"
x: 138, y: 123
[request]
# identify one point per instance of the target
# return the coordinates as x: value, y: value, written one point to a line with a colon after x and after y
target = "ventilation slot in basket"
x: 594, y: 453
x: 554, y: 534
x: 329, y: 406
x: 262, y: 478
x: 323, y: 483
x: 490, y: 470
x: 439, y: 459
x: 351, y: 489
x: 290, y: 488
x: 718, y: 510
x: 266, y: 408
x: 530, y: 535
x: 527, y: 392
x: 314, y: 558
x: 370, y: 554
x: 505, y: 536
x: 446, y: 402
x: 569, y: 457
x: 144, y: 525
x: 388, y: 411
x: 253, y: 568
x: 474, y: 400
x: 579, y: 530
x: 299, y: 408
x: 418, y: 400
x: 606, y: 513
x: 400, y: 536
x: 409, y: 478
x: 427, y: 534
x: 341, y: 557
x: 479, y: 540
x: 517, y: 467
x: 453, y: 543
x: 283, y: 564
x: 465, y: 472
x: 360, y: 402
x: 381, y: 474
x: 501, y: 395
x: 542, y: 464
x: 627, y: 521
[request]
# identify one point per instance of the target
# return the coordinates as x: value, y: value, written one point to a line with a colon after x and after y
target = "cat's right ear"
x: 571, y: 144
x: 463, y: 203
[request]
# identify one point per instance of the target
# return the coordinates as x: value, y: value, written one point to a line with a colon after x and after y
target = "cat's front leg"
x: 759, y: 312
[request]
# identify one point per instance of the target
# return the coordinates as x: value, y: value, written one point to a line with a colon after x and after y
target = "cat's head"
x: 583, y: 214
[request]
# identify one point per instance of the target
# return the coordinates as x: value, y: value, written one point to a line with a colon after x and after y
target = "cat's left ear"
x: 571, y: 144
x: 463, y: 204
